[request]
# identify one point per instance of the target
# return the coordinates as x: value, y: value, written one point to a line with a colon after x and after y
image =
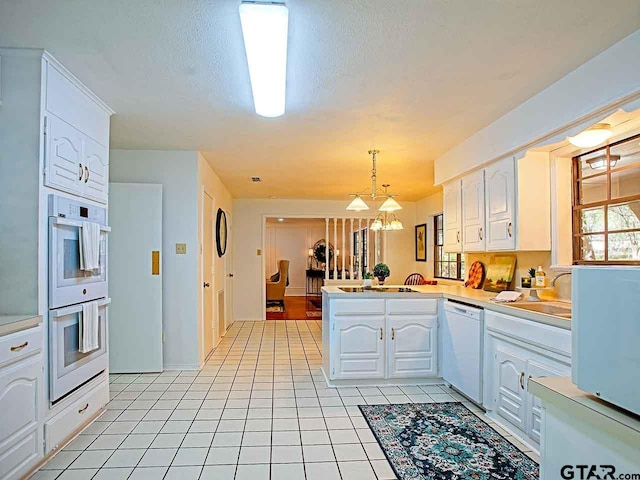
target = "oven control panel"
x: 76, y: 210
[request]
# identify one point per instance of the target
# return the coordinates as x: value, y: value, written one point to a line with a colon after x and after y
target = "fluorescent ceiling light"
x: 264, y: 28
x: 357, y: 204
x: 592, y: 136
x: 390, y: 205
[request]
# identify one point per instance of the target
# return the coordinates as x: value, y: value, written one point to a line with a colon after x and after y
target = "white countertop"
x: 15, y: 323
x: 470, y: 296
x: 562, y: 391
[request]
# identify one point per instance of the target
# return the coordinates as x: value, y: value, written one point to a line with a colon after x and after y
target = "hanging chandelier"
x: 386, y: 219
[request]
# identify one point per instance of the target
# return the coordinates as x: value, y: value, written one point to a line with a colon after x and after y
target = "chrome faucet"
x: 555, y: 279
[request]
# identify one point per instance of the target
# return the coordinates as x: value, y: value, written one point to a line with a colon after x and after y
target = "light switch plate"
x: 181, y: 248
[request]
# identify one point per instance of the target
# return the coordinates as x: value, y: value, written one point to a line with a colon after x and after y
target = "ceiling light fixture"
x: 385, y: 220
x: 265, y: 29
x: 592, y: 136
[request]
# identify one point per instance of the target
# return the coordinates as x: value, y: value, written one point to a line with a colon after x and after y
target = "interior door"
x: 135, y: 277
x: 208, y: 219
x: 473, y: 234
x: 510, y: 399
x: 229, y: 267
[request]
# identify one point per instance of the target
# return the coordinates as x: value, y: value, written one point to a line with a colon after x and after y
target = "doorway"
x: 293, y: 239
x: 208, y: 274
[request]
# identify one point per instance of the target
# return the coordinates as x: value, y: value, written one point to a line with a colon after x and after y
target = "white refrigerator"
x: 606, y: 333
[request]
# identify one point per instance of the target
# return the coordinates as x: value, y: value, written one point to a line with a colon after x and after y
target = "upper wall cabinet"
x: 76, y: 137
x: 500, y: 204
x: 505, y: 206
x: 452, y: 203
x: 473, y: 212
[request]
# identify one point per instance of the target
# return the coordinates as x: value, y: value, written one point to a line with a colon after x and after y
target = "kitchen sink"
x: 550, y: 308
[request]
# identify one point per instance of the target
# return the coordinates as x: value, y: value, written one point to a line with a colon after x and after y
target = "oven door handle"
x: 61, y: 312
x: 73, y: 223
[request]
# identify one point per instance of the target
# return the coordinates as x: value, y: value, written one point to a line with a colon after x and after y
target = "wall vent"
x: 255, y: 179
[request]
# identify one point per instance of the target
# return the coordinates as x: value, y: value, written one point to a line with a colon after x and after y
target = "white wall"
x: 426, y: 209
x: 249, y: 217
x: 590, y: 92
x: 177, y: 171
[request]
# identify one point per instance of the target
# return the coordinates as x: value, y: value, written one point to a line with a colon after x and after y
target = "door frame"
x: 229, y: 266
x: 203, y: 194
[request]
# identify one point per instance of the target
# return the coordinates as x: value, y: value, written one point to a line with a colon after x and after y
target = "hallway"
x: 259, y: 409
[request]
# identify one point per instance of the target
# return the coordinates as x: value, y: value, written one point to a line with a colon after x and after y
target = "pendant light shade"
x: 592, y: 136
x: 357, y: 205
x: 376, y: 225
x: 390, y: 205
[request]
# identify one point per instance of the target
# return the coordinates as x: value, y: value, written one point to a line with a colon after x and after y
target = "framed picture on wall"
x: 421, y: 243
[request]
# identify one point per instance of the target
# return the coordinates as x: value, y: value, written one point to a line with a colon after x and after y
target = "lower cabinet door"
x: 411, y: 345
x: 536, y: 369
x: 510, y: 395
x: 20, y: 434
x: 358, y: 347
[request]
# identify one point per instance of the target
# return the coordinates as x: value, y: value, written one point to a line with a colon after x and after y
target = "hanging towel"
x: 88, y: 328
x: 89, y: 246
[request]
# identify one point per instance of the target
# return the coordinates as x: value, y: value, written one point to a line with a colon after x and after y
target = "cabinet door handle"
x: 380, y: 333
x: 81, y: 172
x: 509, y: 230
x: 86, y: 178
x: 17, y: 348
x: 393, y: 334
x: 522, y: 380
x: 458, y: 236
x: 480, y: 233
x: 83, y: 408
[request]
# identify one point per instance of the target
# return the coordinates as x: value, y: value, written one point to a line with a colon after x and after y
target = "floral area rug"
x: 438, y: 441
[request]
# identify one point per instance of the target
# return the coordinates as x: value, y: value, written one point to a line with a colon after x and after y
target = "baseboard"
x: 249, y: 320
x: 177, y: 366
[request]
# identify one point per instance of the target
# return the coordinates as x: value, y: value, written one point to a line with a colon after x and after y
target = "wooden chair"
x: 415, y: 279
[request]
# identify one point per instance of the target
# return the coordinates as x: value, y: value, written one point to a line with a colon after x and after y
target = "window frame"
x: 437, y: 259
x: 576, y: 230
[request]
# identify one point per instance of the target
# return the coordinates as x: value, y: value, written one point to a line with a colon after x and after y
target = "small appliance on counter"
x: 605, y: 332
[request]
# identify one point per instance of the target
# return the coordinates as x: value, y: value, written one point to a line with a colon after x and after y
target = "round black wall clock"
x: 221, y: 232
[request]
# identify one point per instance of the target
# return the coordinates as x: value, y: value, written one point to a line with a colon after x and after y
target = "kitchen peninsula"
x: 399, y: 335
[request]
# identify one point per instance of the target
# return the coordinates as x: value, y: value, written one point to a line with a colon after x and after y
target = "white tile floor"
x: 259, y: 409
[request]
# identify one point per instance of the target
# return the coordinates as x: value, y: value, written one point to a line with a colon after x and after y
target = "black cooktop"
x: 377, y: 289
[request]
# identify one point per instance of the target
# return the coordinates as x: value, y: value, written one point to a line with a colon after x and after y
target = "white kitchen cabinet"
x: 412, y: 346
x: 96, y: 171
x: 473, y: 212
x: 452, y: 217
x: 500, y: 205
x: 358, y: 347
x: 64, y: 168
x: 380, y: 338
x: 516, y: 350
x: 21, y: 390
x: 505, y: 206
x: 510, y: 398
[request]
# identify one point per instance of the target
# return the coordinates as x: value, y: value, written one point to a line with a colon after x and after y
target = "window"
x: 446, y: 265
x: 606, y: 204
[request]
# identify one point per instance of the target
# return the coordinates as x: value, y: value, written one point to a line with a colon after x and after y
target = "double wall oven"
x: 69, y: 288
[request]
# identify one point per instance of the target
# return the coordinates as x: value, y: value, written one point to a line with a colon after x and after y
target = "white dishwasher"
x: 462, y: 348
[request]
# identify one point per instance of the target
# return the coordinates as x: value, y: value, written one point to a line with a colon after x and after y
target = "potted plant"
x: 526, y: 282
x: 381, y: 272
x: 367, y: 280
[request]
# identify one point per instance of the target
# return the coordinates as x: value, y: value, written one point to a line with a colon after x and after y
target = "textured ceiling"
x: 409, y: 77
